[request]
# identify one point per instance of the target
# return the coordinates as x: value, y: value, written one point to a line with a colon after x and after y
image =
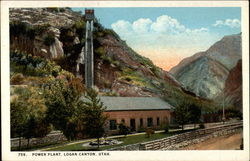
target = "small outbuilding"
x: 138, y: 113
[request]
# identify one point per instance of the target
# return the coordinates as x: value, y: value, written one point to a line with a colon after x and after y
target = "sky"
x: 168, y: 35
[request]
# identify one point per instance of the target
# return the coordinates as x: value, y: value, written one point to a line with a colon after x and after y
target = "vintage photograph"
x: 98, y: 80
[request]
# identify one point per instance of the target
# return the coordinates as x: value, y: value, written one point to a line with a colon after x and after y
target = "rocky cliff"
x: 232, y: 92
x: 37, y: 31
x: 205, y: 73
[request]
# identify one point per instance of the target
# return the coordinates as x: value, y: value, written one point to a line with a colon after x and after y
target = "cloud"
x: 167, y: 24
x: 232, y: 23
x: 122, y: 27
x: 163, y: 38
x: 141, y: 25
x: 163, y: 25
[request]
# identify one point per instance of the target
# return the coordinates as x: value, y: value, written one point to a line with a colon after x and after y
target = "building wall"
x: 163, y: 115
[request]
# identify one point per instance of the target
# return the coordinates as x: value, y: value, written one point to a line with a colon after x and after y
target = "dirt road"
x: 231, y: 142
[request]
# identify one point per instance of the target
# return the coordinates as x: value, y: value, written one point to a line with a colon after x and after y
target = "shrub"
x: 49, y: 40
x: 100, y: 51
x: 106, y: 59
x: 41, y: 29
x: 123, y: 129
x: 17, y: 79
x: 128, y: 79
x: 165, y: 127
x: 17, y: 28
x: 141, y: 129
x: 116, y: 63
x: 174, y: 126
x: 149, y: 132
x: 202, y: 126
x: 107, y: 83
x: 80, y: 28
x: 111, y: 32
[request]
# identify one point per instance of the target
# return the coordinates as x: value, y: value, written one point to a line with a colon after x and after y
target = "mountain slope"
x: 205, y: 73
x: 233, y: 87
x: 58, y: 34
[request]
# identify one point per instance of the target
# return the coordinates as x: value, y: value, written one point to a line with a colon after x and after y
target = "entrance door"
x: 132, y: 124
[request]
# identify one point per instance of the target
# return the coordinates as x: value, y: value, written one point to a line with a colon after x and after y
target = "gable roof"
x: 134, y: 103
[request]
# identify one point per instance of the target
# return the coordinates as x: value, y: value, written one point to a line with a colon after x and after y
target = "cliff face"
x: 233, y: 86
x: 37, y: 30
x: 58, y: 34
x: 205, y: 73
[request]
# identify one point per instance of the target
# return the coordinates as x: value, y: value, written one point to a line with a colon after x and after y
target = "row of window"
x: 113, y: 124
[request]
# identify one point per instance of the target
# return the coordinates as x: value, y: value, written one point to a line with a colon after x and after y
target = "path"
x: 231, y: 142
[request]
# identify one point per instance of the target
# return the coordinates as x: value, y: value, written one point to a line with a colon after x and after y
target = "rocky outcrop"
x: 44, y: 23
x: 205, y: 73
x: 56, y: 49
x: 232, y: 92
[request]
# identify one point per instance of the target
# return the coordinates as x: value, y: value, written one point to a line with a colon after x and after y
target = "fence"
x: 176, y: 139
x: 54, y: 137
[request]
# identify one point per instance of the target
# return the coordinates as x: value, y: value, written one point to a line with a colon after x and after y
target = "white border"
x: 240, y: 155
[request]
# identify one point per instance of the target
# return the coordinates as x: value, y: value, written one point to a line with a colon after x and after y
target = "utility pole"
x: 223, y: 109
x: 89, y: 54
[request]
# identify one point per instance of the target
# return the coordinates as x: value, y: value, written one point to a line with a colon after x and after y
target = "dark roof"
x: 134, y: 103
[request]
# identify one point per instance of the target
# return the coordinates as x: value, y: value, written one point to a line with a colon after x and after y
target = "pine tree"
x: 95, y: 119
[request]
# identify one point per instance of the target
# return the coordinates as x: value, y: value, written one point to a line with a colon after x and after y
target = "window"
x: 141, y: 122
x: 158, y: 121
x: 123, y: 121
x: 112, y: 125
x: 150, y: 122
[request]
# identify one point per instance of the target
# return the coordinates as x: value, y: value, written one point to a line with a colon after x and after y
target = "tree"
x: 94, y: 117
x: 28, y: 113
x: 62, y: 100
x: 123, y: 129
x: 182, y: 113
x: 18, y: 119
x: 195, y: 113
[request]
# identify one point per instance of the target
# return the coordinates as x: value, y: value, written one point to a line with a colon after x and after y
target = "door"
x: 132, y: 124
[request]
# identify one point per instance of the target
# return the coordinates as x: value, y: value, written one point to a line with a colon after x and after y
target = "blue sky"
x: 167, y: 35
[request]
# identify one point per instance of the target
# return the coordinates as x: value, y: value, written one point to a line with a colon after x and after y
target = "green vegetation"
x: 111, y: 32
x: 187, y: 112
x: 123, y: 129
x: 80, y: 29
x: 182, y: 114
x: 100, y: 51
x: 62, y: 99
x: 20, y: 28
x: 149, y: 132
x: 134, y: 77
x: 27, y: 67
x: 49, y: 40
x: 126, y: 141
x: 195, y: 114
x: 58, y: 103
x: 94, y: 115
x: 17, y: 79
x: 59, y: 92
x: 28, y: 114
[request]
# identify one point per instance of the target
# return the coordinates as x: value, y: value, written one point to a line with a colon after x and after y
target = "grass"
x: 126, y: 141
x: 134, y: 77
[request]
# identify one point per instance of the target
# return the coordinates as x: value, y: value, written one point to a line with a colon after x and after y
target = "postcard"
x: 125, y: 80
